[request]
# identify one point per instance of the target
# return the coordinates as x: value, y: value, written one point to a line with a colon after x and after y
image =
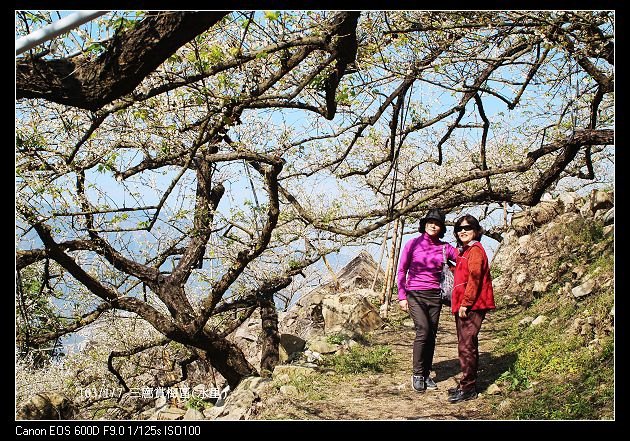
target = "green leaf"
x: 271, y: 15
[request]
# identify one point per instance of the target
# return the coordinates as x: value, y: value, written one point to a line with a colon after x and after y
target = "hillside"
x: 547, y: 352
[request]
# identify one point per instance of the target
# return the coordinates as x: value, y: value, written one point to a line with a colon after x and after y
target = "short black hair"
x: 472, y: 220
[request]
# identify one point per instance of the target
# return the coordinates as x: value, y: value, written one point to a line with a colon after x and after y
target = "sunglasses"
x: 459, y: 228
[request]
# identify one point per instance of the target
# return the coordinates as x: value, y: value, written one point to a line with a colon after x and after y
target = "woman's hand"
x: 463, y: 311
x: 403, y: 305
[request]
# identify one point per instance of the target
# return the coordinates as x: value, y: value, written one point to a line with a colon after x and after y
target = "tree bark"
x: 225, y: 357
x: 271, y: 337
x: 130, y: 57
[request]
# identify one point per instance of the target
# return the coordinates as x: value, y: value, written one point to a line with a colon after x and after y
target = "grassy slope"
x: 548, y: 372
x: 564, y: 369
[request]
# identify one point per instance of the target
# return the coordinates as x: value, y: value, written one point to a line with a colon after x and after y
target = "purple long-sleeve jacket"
x: 420, y: 264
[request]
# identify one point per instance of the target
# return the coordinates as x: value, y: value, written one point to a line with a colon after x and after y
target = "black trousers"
x: 424, y: 308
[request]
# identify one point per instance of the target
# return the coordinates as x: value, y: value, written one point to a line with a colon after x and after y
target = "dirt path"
x: 389, y: 396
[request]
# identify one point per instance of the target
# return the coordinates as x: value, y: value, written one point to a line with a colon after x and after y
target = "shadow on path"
x: 490, y: 368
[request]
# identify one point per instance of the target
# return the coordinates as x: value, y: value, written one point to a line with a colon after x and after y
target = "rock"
x: 193, y: 414
x: 576, y: 326
x: 170, y: 413
x: 161, y: 402
x: 505, y: 404
x: 246, y: 337
x: 585, y: 210
x: 540, y: 286
x: 359, y: 273
x: 520, y: 278
x: 292, y: 343
x: 578, y: 272
x: 313, y: 357
x: 493, y: 389
x: 349, y: 313
x: 609, y: 229
x: 238, y: 405
x: 545, y: 211
x: 569, y: 201
x: 566, y: 289
x: 595, y: 344
x: 309, y: 365
x: 523, y: 241
x: 408, y: 323
x: 289, y: 345
x: 526, y: 321
x: 350, y: 343
x: 47, y: 406
x: 509, y: 300
x: 609, y: 217
x: 288, y: 390
x: 255, y: 384
x: 584, y: 289
x: 282, y: 378
x: 212, y: 413
x: 246, y: 333
x: 522, y: 223
x: 601, y: 199
x: 319, y: 344
x: 539, y: 320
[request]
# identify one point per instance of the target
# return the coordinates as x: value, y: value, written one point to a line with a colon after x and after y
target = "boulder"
x: 193, y: 414
x: 321, y: 345
x: 601, y: 199
x: 289, y: 345
x: 545, y: 211
x: 569, y: 200
x: 47, y: 406
x: 584, y: 289
x: 360, y: 272
x: 349, y: 313
x: 305, y: 318
x: 240, y: 402
x: 522, y: 223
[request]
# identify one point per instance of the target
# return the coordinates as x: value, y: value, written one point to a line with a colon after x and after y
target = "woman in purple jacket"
x: 419, y: 270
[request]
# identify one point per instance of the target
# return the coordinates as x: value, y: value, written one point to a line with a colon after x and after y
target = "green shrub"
x: 335, y: 339
x: 361, y: 359
x: 195, y: 402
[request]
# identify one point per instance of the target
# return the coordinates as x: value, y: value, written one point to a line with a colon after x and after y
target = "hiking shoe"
x: 418, y: 384
x: 429, y: 383
x: 461, y: 395
x: 453, y: 390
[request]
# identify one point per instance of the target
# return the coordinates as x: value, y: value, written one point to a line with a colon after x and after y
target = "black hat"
x: 434, y: 214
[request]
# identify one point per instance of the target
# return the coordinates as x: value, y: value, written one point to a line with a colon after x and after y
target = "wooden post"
x: 332, y: 273
x: 380, y: 257
x: 505, y: 224
x: 391, y: 272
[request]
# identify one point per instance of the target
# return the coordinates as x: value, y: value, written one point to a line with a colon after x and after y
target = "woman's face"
x: 465, y: 232
x: 432, y: 228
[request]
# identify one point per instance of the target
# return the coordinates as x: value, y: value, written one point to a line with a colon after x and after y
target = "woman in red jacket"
x: 472, y: 298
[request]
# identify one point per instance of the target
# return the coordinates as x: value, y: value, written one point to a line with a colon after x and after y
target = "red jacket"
x: 473, y: 284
